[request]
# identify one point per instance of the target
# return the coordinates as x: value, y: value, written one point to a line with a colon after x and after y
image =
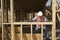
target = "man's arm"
x: 34, y: 19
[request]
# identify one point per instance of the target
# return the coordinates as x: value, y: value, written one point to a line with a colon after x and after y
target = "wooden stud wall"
x: 31, y: 23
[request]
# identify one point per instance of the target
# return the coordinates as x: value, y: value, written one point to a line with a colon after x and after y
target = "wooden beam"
x: 12, y: 26
x: 28, y: 23
x: 54, y: 19
x: 6, y: 23
x: 42, y: 32
x: 31, y: 33
x: 21, y: 32
x: 2, y: 20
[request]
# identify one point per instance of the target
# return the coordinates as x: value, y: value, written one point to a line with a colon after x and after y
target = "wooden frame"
x: 31, y: 23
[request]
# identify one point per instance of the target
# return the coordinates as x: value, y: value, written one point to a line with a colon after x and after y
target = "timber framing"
x: 53, y: 23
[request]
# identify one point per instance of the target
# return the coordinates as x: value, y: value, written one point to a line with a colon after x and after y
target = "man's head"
x: 40, y: 13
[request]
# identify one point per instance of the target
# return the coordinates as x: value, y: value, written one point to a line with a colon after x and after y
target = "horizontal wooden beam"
x: 6, y: 23
x: 27, y: 23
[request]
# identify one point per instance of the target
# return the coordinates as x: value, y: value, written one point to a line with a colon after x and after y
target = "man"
x: 40, y: 18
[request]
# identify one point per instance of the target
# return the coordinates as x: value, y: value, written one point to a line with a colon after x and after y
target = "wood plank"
x: 26, y: 36
x: 42, y: 32
x: 12, y: 26
x: 6, y: 23
x: 36, y: 36
x: 2, y: 19
x: 17, y: 36
x: 54, y: 19
x: 21, y: 32
x: 31, y: 32
x: 28, y: 23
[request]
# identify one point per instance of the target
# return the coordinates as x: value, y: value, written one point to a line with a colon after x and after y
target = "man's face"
x: 38, y: 19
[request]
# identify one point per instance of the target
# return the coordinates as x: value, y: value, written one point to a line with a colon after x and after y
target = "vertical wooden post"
x: 2, y: 20
x: 12, y: 27
x: 41, y: 31
x: 31, y: 32
x: 21, y: 32
x: 1, y: 4
x: 54, y: 19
